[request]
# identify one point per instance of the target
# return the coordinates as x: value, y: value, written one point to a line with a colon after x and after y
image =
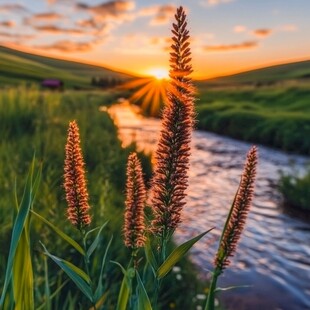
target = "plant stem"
x: 211, y: 295
x: 86, y: 262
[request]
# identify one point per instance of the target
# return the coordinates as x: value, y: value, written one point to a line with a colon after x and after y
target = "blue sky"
x: 227, y: 35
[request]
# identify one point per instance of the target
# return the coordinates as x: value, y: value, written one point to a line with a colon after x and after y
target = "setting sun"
x: 159, y: 73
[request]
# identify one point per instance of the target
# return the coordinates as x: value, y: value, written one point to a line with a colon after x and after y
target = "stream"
x: 273, y: 255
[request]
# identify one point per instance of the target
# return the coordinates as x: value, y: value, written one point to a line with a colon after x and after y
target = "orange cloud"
x: 231, y: 47
x: 239, y: 28
x: 161, y: 13
x: 56, y: 29
x: 262, y: 32
x: 288, y: 28
x: 67, y: 46
x: 87, y: 23
x: 215, y: 2
x: 112, y: 9
x: 16, y: 35
x: 47, y: 16
x: 7, y: 23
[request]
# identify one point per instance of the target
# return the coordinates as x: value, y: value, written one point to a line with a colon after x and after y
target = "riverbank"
x: 276, y: 115
x: 272, y: 256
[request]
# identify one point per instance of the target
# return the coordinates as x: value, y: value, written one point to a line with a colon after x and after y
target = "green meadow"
x: 34, y: 123
x: 18, y: 67
x: 269, y: 106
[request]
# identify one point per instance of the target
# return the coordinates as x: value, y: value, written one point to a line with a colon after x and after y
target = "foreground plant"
x: 78, y: 214
x: 235, y: 222
x: 146, y: 269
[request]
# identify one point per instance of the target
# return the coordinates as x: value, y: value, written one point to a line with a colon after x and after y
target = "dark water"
x: 273, y: 256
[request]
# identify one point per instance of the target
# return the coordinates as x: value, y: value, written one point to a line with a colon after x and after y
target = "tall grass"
x: 87, y: 249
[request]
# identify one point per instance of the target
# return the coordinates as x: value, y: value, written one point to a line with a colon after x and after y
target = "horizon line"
x: 139, y: 75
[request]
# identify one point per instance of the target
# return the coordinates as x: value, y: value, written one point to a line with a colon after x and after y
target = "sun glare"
x: 159, y: 73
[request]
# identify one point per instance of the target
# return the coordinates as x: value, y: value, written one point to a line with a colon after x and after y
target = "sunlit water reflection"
x: 273, y: 256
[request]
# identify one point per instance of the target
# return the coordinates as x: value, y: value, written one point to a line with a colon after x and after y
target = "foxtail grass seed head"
x: 239, y: 212
x: 170, y: 178
x: 74, y: 180
x: 134, y: 227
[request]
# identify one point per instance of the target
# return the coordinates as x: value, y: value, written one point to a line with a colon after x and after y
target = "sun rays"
x: 149, y: 93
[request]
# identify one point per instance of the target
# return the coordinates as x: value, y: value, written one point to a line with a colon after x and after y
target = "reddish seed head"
x: 134, y: 227
x: 239, y: 212
x: 172, y: 156
x: 75, y: 182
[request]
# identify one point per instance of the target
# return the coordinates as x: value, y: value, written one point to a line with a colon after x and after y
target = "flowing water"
x: 273, y: 256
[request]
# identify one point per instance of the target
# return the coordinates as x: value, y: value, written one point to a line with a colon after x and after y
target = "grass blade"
x: 18, y: 227
x: 177, y: 255
x: 60, y: 233
x: 143, y: 299
x: 150, y: 257
x: 95, y: 243
x: 99, y: 289
x: 77, y: 275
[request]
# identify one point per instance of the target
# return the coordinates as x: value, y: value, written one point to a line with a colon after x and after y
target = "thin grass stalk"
x: 235, y: 222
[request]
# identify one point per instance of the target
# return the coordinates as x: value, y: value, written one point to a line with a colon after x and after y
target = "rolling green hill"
x: 270, y: 106
x: 19, y: 67
x: 268, y: 75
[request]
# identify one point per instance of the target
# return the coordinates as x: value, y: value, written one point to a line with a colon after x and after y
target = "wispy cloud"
x: 12, y: 8
x: 7, y: 23
x: 67, y: 46
x: 231, y: 47
x: 16, y: 36
x: 112, y: 10
x: 161, y: 13
x: 87, y: 23
x: 288, y: 28
x: 58, y: 30
x: 46, y: 16
x: 262, y: 32
x: 240, y: 28
x: 214, y: 2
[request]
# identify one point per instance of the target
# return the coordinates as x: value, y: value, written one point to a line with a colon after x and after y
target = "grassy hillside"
x: 18, y: 67
x: 270, y: 106
x: 274, y: 74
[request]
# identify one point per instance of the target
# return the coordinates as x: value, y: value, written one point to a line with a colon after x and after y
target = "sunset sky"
x: 227, y: 35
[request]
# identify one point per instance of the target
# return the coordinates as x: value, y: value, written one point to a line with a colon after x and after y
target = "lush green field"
x: 36, y: 122
x: 18, y: 67
x: 277, y: 115
x: 268, y: 75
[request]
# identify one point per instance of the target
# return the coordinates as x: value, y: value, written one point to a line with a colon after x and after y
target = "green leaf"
x: 125, y: 289
x: 99, y: 289
x: 177, y: 255
x: 120, y: 266
x: 77, y: 275
x: 95, y: 243
x: 60, y: 233
x: 22, y: 277
x: 150, y: 255
x: 124, y: 293
x: 18, y: 227
x: 143, y: 299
